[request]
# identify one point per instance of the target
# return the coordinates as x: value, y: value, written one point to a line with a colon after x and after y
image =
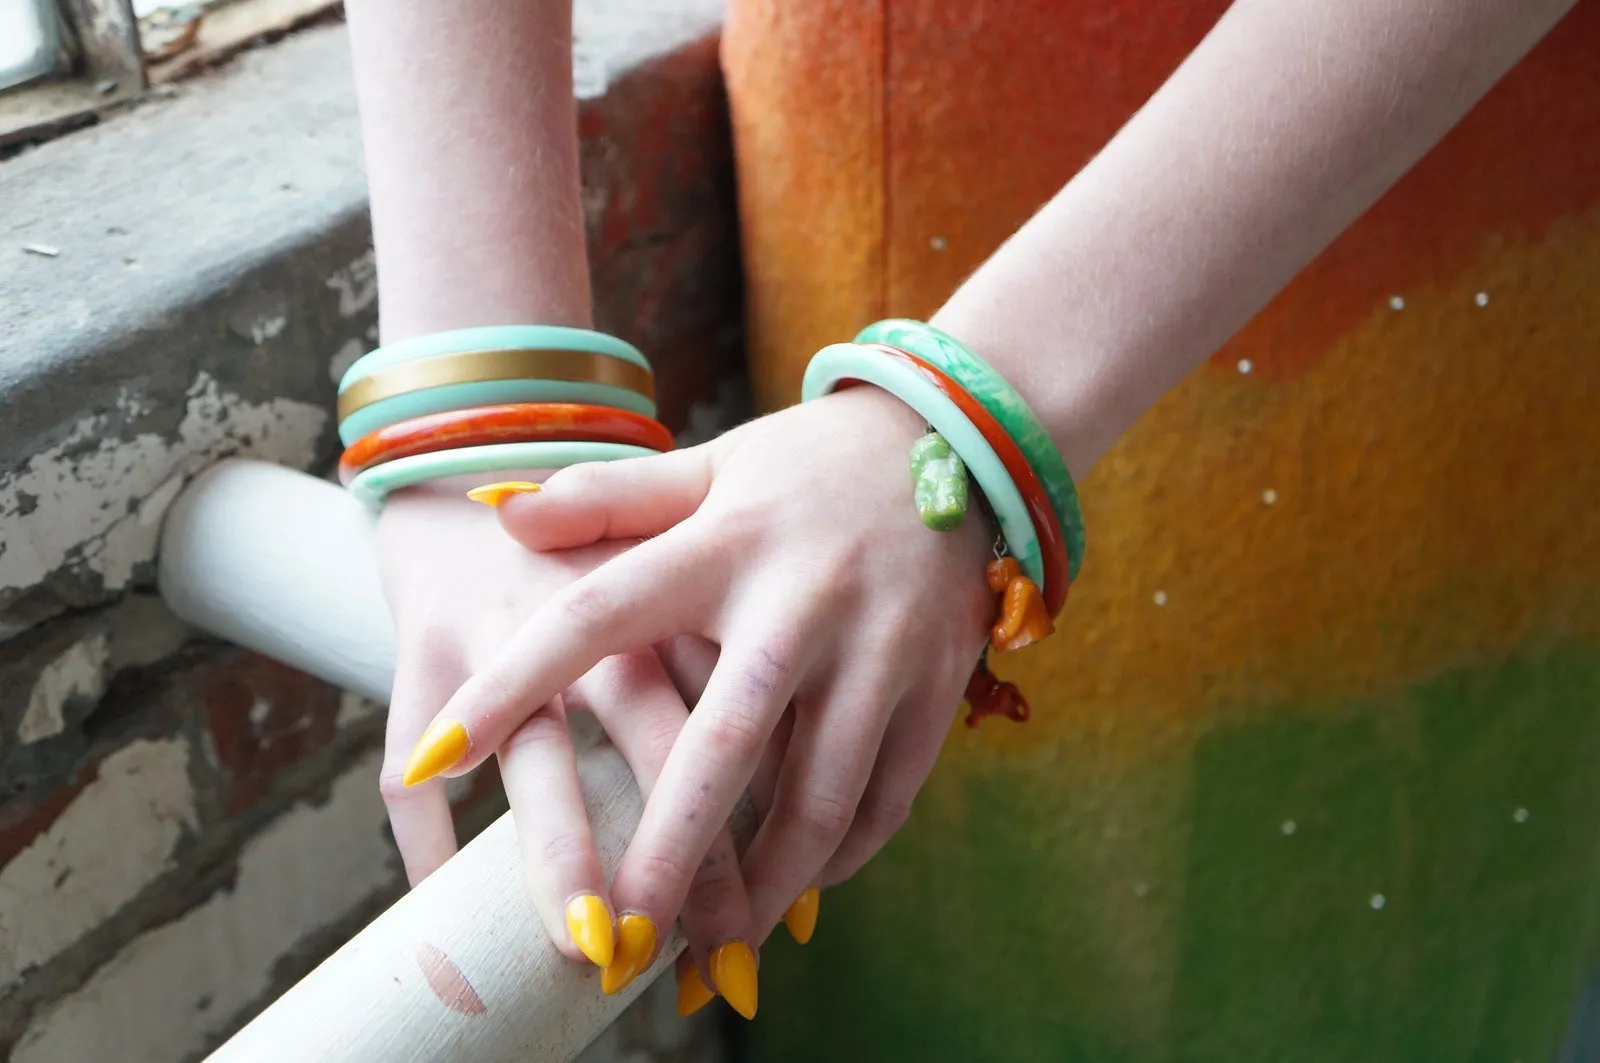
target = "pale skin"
x: 821, y: 634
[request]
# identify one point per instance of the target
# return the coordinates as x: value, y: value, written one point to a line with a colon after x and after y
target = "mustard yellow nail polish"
x: 440, y: 748
x: 636, y: 944
x: 693, y: 993
x: 733, y: 972
x: 589, y: 923
x: 801, y: 918
x: 495, y: 495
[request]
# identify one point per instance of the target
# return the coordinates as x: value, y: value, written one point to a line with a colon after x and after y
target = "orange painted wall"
x: 1402, y: 489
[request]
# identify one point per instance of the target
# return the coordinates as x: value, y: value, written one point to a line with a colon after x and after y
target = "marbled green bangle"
x: 985, y: 384
x: 840, y: 362
x: 372, y: 486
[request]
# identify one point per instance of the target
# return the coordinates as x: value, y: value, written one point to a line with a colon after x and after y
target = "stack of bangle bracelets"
x: 491, y: 400
x: 978, y: 423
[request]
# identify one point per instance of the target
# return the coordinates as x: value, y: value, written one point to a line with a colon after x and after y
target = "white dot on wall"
x: 1269, y: 496
x: 1397, y: 302
x: 1245, y: 366
x: 1520, y: 815
x: 937, y: 243
x: 1160, y: 597
x: 1482, y: 298
x: 1289, y: 827
x: 1378, y: 901
x: 1140, y: 889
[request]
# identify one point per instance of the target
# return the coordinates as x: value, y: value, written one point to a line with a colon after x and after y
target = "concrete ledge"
x: 214, y: 276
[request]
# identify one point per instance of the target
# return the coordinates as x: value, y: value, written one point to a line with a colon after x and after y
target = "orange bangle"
x: 1052, y: 547
x: 521, y: 423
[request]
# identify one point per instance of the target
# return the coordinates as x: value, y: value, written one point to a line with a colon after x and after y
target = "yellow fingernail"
x: 440, y: 748
x: 589, y: 923
x: 693, y: 993
x: 496, y: 494
x: 801, y: 918
x: 733, y: 971
x: 636, y: 943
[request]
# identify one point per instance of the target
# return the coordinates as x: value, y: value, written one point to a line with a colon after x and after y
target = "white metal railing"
x: 460, y: 968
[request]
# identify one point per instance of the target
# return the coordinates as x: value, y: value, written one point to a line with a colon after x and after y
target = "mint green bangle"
x: 847, y: 361
x: 491, y: 338
x: 984, y: 383
x: 374, y: 485
x: 465, y: 396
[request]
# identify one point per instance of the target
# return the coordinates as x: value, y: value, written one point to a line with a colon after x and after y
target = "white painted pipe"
x: 460, y: 968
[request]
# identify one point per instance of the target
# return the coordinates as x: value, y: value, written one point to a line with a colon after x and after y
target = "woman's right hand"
x: 458, y: 588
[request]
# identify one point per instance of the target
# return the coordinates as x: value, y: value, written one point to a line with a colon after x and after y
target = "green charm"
x: 940, y: 483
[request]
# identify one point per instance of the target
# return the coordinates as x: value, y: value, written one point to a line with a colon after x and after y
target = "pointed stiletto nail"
x: 693, y: 993
x: 801, y: 918
x: 636, y: 943
x: 495, y: 495
x: 733, y: 971
x: 589, y: 923
x: 440, y: 748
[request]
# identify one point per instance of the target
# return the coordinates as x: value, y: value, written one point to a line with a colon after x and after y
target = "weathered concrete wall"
x: 186, y: 828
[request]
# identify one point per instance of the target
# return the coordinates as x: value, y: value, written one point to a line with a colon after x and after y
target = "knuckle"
x: 542, y: 729
x: 825, y: 815
x: 587, y: 605
x: 885, y: 817
x: 391, y: 784
x: 734, y: 734
x: 665, y: 872
x: 563, y: 848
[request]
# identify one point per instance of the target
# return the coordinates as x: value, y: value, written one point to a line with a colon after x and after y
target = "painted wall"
x: 1314, y: 771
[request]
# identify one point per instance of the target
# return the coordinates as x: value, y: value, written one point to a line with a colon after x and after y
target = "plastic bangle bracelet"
x: 840, y: 362
x: 979, y: 379
x: 498, y: 337
x: 473, y: 366
x: 523, y: 423
x: 1052, y: 547
x: 374, y: 485
x: 486, y: 393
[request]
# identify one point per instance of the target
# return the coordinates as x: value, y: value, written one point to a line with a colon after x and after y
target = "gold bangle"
x: 472, y: 366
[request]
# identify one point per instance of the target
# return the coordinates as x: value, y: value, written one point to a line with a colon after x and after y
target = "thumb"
x: 583, y: 504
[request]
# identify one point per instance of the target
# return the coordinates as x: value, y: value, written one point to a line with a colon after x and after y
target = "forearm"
x: 471, y: 143
x: 1288, y: 121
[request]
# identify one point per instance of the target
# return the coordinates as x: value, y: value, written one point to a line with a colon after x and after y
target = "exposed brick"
x: 172, y: 991
x: 115, y: 836
x: 262, y: 717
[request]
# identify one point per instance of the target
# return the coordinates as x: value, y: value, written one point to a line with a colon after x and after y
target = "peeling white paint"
x: 97, y: 501
x: 113, y: 840
x: 268, y: 326
x: 80, y: 672
x: 344, y: 358
x: 357, y: 285
x: 354, y: 709
x: 177, y: 986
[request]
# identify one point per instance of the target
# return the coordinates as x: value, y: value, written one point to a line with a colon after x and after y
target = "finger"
x: 634, y: 600
x: 705, y: 774
x: 825, y: 772
x: 689, y: 660
x: 609, y: 500
x: 563, y: 872
x: 419, y: 815
x: 910, y: 749
x: 644, y: 716
x: 764, y: 783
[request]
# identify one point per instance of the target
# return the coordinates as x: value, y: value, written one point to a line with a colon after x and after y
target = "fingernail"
x: 636, y: 943
x: 733, y: 971
x: 495, y: 495
x: 801, y: 918
x: 693, y: 993
x: 440, y: 748
x: 589, y: 923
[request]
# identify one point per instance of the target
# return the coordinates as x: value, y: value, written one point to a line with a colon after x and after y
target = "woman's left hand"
x: 847, y: 631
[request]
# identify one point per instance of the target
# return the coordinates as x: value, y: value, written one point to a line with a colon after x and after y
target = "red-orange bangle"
x: 1052, y: 547
x: 484, y: 425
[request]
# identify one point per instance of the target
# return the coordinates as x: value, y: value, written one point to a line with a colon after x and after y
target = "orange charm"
x: 1000, y: 572
x: 1024, y: 619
